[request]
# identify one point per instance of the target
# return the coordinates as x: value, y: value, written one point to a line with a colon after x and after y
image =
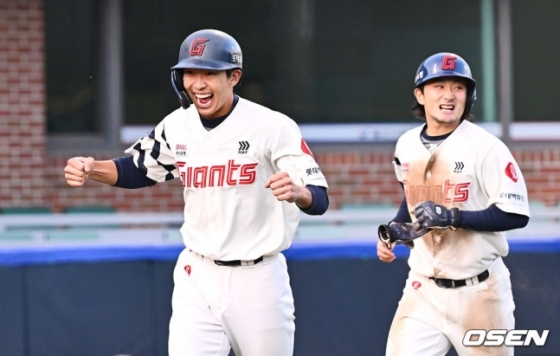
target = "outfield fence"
x: 101, y: 283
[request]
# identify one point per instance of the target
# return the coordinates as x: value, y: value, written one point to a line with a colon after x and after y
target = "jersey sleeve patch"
x: 511, y: 172
x: 512, y: 197
x: 305, y: 148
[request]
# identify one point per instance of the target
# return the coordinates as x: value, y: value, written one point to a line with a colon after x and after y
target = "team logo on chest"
x: 448, y: 192
x: 217, y: 175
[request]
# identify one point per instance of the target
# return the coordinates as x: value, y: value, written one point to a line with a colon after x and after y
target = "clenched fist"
x: 77, y: 170
x: 285, y: 190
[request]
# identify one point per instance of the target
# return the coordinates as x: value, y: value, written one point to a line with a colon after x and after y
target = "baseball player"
x: 247, y: 173
x: 463, y: 189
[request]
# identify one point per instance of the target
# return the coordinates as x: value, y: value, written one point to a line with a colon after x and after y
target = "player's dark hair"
x: 420, y: 113
x: 229, y: 72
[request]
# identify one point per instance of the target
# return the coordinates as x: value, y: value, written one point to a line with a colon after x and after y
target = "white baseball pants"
x: 430, y: 319
x: 247, y: 308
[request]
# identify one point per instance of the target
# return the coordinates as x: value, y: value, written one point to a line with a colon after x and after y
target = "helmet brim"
x: 447, y: 74
x: 197, y: 63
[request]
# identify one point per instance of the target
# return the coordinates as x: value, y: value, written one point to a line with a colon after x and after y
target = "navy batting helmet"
x: 205, y: 49
x: 447, y: 65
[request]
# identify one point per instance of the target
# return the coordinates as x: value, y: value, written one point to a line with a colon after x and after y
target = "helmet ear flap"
x: 177, y: 84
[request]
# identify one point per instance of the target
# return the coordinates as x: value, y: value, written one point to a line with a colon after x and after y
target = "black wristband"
x: 455, y: 217
x: 319, y: 202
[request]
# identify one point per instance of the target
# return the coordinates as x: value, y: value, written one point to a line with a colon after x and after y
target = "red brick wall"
x: 360, y: 175
x: 29, y: 176
x: 22, y: 100
x: 541, y: 170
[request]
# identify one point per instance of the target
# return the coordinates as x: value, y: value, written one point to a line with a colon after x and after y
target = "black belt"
x: 238, y: 262
x: 455, y: 283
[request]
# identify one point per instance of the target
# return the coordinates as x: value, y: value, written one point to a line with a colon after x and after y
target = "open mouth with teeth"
x: 203, y: 99
x: 447, y: 107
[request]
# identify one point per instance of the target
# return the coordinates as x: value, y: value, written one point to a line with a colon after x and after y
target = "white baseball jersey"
x: 229, y: 214
x: 470, y: 170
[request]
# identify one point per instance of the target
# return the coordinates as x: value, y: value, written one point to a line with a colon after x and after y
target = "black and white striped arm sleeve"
x: 153, y: 154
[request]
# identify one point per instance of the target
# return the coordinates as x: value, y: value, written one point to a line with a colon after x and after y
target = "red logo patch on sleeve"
x: 511, y: 172
x: 305, y: 148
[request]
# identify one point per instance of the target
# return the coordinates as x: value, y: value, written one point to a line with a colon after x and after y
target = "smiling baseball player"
x: 463, y: 189
x: 247, y: 173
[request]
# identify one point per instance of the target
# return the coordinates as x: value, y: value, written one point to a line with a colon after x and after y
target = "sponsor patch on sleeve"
x: 313, y: 170
x: 513, y: 198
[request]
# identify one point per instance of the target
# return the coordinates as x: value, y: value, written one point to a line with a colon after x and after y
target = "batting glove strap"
x: 455, y: 218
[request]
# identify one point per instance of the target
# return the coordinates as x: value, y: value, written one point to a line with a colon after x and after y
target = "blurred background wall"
x: 74, y: 75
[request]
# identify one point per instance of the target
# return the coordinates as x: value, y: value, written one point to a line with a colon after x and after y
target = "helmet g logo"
x: 448, y: 63
x: 197, y: 47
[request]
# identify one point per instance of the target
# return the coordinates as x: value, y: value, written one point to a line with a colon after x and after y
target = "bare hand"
x: 77, y: 170
x: 384, y: 254
x: 285, y: 190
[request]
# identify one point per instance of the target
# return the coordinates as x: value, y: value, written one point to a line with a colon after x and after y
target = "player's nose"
x: 199, y: 81
x: 448, y: 93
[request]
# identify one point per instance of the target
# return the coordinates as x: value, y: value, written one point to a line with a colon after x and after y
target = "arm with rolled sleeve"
x: 503, y: 181
x: 290, y: 154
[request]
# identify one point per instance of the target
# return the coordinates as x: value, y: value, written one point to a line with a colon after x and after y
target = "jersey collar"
x: 213, y: 123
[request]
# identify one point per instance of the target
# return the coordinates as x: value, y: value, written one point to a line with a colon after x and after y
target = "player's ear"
x: 235, y: 77
x: 419, y: 96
